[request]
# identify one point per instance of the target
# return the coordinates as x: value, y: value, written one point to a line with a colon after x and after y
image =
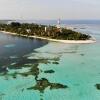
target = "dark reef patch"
x: 42, y: 84
x: 49, y: 71
x: 31, y: 64
x: 82, y: 54
x: 98, y: 86
x: 55, y: 63
x: 83, y: 63
x: 34, y: 70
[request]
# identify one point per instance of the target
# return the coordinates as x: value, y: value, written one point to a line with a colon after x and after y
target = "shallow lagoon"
x: 77, y: 66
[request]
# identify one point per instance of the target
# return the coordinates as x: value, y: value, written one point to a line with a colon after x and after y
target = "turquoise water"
x: 78, y: 67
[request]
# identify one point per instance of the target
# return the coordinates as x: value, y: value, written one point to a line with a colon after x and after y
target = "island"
x: 52, y: 33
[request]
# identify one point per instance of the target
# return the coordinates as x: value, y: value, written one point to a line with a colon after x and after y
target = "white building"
x: 28, y: 30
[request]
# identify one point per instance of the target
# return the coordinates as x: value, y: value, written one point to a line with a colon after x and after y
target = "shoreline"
x: 55, y: 40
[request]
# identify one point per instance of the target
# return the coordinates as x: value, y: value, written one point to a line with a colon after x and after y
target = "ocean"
x: 35, y: 69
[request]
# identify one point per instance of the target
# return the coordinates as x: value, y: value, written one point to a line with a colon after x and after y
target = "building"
x: 28, y: 30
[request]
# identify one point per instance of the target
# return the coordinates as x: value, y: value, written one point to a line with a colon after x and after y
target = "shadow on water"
x: 13, y: 48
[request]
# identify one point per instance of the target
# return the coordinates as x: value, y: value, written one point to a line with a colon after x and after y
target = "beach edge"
x: 93, y: 40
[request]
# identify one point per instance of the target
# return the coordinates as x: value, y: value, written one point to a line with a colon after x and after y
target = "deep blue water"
x: 13, y: 49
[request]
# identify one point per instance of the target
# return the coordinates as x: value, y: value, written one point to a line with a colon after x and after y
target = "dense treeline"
x: 39, y: 30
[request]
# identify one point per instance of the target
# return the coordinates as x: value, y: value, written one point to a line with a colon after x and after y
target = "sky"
x: 49, y: 9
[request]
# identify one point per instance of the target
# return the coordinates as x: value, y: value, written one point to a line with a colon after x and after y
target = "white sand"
x: 55, y: 40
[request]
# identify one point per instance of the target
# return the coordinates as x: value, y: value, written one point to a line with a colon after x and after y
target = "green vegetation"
x: 39, y: 30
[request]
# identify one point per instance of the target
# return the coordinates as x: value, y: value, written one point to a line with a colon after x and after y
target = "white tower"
x: 58, y: 21
x: 58, y: 24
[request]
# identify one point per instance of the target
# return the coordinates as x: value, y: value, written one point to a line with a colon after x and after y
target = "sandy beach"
x: 55, y: 40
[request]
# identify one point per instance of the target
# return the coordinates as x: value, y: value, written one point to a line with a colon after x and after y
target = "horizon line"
x: 48, y: 19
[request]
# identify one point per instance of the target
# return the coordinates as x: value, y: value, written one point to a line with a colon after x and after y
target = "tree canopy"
x: 39, y: 30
